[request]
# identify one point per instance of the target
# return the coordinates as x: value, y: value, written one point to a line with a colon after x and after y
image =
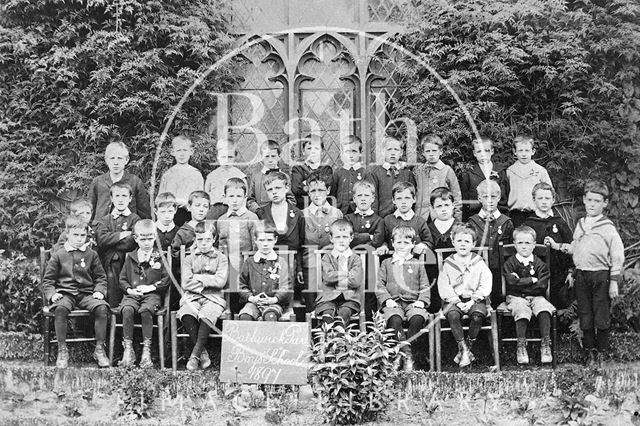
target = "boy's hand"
x: 132, y: 292
x: 56, y: 297
x: 613, y: 289
x: 254, y: 299
x: 391, y: 303
x: 98, y: 295
x: 420, y: 248
x: 418, y: 304
x: 465, y: 306
x: 382, y: 250
x: 149, y: 288
x: 271, y: 300
x: 124, y: 234
x: 569, y: 280
x: 548, y: 241
x: 300, y: 277
x: 515, y: 275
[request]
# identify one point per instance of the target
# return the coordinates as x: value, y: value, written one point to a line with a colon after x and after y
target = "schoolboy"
x: 217, y: 179
x: 404, y: 196
x: 527, y: 278
x: 548, y: 226
x: 166, y: 229
x: 349, y: 174
x: 464, y: 284
x: 368, y: 227
x: 82, y: 208
x: 143, y: 280
x: 403, y: 290
x: 492, y: 227
x: 598, y: 253
x: 114, y: 236
x: 258, y: 195
x: 116, y: 155
x: 385, y: 176
x: 312, y: 149
x: 205, y: 273
x: 182, y: 178
x: 265, y: 283
x: 523, y: 175
x: 482, y: 170
x: 434, y: 174
x: 199, y: 203
x: 74, y: 277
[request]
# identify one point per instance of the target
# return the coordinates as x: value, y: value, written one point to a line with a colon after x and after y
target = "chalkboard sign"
x: 274, y: 353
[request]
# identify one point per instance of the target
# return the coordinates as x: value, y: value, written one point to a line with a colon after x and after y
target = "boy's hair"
x: 597, y: 187
x: 78, y: 204
x: 353, y: 140
x: 116, y: 145
x: 274, y: 176
x: 463, y: 228
x: 366, y: 184
x: 543, y: 186
x: 199, y: 194
x: 317, y: 176
x: 523, y: 139
x: 271, y: 144
x: 123, y: 185
x: 441, y: 193
x: 73, y: 221
x: 482, y: 140
x: 403, y: 232
x: 388, y: 138
x: 263, y: 227
x: 524, y: 229
x: 401, y: 186
x: 341, y: 225
x: 488, y: 186
x: 235, y: 182
x: 181, y: 138
x: 144, y: 226
x: 310, y: 138
x: 206, y: 227
x: 431, y: 138
x: 166, y: 199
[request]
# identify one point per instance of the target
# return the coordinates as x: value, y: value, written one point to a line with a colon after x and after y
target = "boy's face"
x: 116, y: 160
x: 443, y: 209
x: 199, y: 208
x: 489, y: 200
x: 204, y: 241
x: 235, y: 198
x: 145, y: 241
x: 431, y: 153
x: 594, y: 203
x: 265, y: 241
x: 403, y: 201
x: 77, y: 237
x: 463, y: 243
x: 277, y: 191
x: 524, y: 244
x: 351, y: 154
x: 341, y: 239
x: 403, y: 245
x: 524, y: 152
x: 84, y: 212
x: 313, y: 151
x: 165, y: 214
x: 543, y: 199
x: 270, y: 158
x: 318, y: 193
x: 392, y: 151
x: 483, y: 152
x: 120, y: 198
x: 226, y: 156
x: 363, y: 197
x: 182, y: 151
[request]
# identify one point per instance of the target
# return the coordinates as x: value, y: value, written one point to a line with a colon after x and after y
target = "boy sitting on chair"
x: 527, y: 279
x: 464, y: 285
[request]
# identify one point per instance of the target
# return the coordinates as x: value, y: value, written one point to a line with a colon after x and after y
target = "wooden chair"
x: 161, y: 315
x: 49, y: 315
x: 492, y: 316
x: 429, y: 326
x: 543, y: 252
x: 178, y: 334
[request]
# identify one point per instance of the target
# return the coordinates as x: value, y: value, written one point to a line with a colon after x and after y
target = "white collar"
x: 312, y: 166
x: 364, y: 213
x: 592, y: 219
x: 542, y: 215
x: 259, y: 256
x: 160, y: 227
x: 337, y: 254
x: 525, y: 260
x: 438, y: 166
x: 399, y: 165
x: 443, y: 225
x: 241, y: 211
x: 142, y: 256
x: 407, y: 216
x: 354, y: 166
x: 483, y: 215
x: 395, y: 258
x: 69, y: 248
x: 325, y: 208
x: 116, y: 214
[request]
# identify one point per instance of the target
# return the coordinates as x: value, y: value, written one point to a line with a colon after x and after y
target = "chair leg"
x: 161, y: 340
x: 431, y: 343
x: 494, y: 339
x: 438, y: 338
x: 174, y: 341
x: 554, y: 340
x: 112, y: 337
x: 47, y: 340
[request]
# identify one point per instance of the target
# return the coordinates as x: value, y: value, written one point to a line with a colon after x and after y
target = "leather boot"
x: 205, y: 361
x: 545, y: 351
x: 129, y: 356
x: 145, y: 360
x: 465, y: 357
x: 521, y: 352
x: 63, y: 357
x: 100, y: 355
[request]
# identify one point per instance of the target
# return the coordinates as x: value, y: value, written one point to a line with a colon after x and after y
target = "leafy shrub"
x: 352, y: 372
x: 20, y: 296
x: 137, y: 389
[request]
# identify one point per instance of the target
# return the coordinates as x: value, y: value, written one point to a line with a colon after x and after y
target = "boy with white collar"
x: 403, y: 290
x: 166, y: 229
x: 114, y: 238
x: 527, y: 278
x: 492, y: 227
x: 350, y: 173
x: 216, y: 180
x: 257, y: 174
x: 342, y: 277
x: 312, y: 148
x: 385, y: 176
x: 404, y: 196
x: 368, y: 227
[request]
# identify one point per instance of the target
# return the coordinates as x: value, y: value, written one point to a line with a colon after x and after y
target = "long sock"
x: 475, y: 325
x: 521, y: 328
x: 61, y: 317
x: 544, y: 321
x: 127, y: 322
x: 191, y: 324
x: 395, y: 322
x: 456, y: 325
x: 203, y: 334
x: 100, y: 314
x: 147, y: 324
x: 245, y: 317
x: 271, y: 316
x: 416, y: 323
x: 345, y: 315
x: 603, y: 339
x: 588, y: 338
